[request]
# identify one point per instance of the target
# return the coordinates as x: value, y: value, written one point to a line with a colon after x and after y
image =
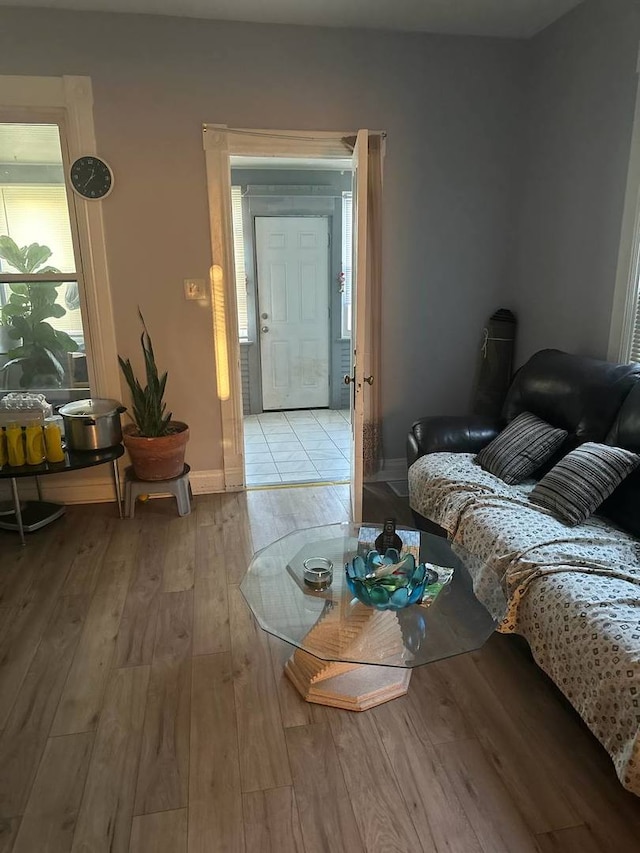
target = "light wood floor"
x: 142, y: 711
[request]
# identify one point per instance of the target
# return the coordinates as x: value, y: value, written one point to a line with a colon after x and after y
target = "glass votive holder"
x: 318, y: 573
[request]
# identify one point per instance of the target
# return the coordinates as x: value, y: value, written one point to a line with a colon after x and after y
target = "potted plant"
x: 155, y: 442
x: 39, y: 349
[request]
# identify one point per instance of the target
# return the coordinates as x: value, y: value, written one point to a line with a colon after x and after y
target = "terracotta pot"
x: 157, y: 458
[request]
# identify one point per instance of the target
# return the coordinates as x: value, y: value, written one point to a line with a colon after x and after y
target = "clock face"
x: 91, y: 178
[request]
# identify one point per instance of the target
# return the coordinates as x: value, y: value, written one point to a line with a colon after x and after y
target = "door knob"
x: 368, y: 380
x: 349, y: 379
x: 264, y: 329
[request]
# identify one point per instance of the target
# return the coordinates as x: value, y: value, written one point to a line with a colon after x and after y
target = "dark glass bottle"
x: 388, y: 538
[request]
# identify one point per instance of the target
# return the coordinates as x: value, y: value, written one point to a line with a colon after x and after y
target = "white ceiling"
x: 515, y: 18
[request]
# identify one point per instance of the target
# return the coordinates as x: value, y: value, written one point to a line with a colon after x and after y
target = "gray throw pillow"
x: 580, y: 482
x: 524, y: 445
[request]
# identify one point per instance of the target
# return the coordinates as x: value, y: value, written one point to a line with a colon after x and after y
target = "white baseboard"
x: 235, y: 479
x: 392, y: 469
x: 206, y: 482
x: 94, y: 485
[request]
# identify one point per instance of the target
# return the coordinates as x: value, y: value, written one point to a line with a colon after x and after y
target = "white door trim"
x: 251, y: 142
x: 81, y: 139
x: 359, y: 323
x: 219, y: 143
x: 224, y: 307
x: 74, y: 96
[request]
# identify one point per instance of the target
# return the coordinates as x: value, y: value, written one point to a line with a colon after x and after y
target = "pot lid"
x: 91, y: 408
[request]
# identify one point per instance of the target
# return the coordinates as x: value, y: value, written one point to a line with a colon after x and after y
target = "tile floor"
x: 311, y: 446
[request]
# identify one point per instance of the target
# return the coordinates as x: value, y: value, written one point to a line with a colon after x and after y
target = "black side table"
x: 33, y: 515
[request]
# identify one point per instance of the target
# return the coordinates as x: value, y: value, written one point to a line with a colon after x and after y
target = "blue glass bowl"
x: 388, y: 582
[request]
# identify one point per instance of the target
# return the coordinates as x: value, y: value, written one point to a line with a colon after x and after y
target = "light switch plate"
x: 194, y: 288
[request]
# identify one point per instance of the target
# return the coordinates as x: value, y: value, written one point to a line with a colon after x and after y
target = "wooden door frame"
x: 220, y: 143
x: 360, y: 238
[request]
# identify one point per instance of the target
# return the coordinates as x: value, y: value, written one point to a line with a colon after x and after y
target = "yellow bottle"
x: 35, y: 444
x: 15, y: 445
x: 3, y: 448
x: 53, y: 443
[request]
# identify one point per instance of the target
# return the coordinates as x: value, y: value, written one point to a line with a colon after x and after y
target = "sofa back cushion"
x: 625, y: 430
x: 623, y: 507
x: 578, y: 394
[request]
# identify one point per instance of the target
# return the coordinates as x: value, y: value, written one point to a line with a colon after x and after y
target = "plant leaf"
x: 56, y: 364
x: 148, y: 405
x: 12, y: 310
x: 20, y: 289
x: 10, y: 252
x: 35, y: 255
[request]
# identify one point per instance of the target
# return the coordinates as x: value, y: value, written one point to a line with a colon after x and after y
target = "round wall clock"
x: 91, y: 177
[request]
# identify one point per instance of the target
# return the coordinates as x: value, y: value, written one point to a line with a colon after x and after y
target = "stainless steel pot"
x: 92, y: 424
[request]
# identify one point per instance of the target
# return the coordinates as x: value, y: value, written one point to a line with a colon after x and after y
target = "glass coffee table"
x: 350, y: 655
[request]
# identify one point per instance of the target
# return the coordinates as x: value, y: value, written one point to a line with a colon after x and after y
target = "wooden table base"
x: 352, y: 686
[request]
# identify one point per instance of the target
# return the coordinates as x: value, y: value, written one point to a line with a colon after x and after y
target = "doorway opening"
x: 292, y: 250
x: 364, y: 151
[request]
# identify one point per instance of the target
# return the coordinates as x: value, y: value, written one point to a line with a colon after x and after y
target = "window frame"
x: 68, y: 101
x: 58, y: 118
x: 625, y: 313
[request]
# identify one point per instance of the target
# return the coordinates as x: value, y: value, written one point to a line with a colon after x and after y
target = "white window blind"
x: 39, y: 214
x: 634, y: 347
x: 631, y: 340
x: 241, y: 272
x: 347, y: 261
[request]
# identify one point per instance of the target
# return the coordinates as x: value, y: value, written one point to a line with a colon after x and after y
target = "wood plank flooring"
x: 142, y: 710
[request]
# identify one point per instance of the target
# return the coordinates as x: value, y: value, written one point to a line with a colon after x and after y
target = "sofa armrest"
x: 450, y: 434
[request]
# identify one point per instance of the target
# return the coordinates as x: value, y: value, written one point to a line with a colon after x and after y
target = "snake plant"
x: 148, y: 404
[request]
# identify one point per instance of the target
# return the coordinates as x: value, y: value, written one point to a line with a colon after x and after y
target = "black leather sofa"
x: 573, y: 592
x: 593, y: 400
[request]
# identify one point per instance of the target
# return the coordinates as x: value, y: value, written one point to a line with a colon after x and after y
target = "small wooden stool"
x: 178, y: 486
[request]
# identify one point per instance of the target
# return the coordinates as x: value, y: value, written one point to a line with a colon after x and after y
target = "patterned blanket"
x: 573, y: 592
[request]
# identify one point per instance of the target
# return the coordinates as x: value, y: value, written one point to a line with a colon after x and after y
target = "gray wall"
x: 581, y: 95
x: 333, y: 183
x: 452, y: 108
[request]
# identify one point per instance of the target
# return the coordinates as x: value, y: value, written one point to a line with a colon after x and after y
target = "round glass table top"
x: 335, y: 626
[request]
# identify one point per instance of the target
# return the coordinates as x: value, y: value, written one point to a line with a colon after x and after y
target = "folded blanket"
x: 574, y: 593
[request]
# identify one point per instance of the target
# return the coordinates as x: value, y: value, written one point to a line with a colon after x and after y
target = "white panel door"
x: 292, y: 260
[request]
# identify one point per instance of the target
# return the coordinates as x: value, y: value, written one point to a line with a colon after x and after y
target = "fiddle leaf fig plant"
x: 148, y: 403
x: 43, y: 349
